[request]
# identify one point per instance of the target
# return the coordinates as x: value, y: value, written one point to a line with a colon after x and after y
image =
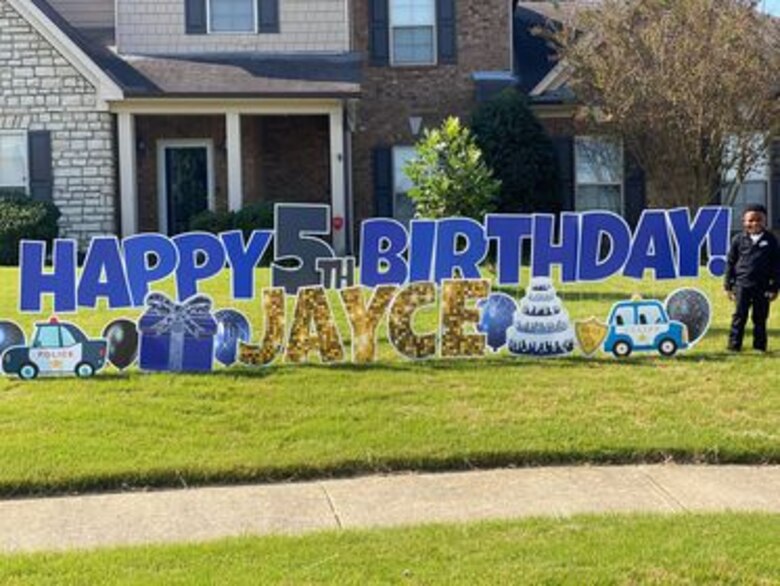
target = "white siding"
x: 157, y: 27
x: 86, y: 13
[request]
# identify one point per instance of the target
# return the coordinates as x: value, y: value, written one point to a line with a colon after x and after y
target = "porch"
x: 177, y: 158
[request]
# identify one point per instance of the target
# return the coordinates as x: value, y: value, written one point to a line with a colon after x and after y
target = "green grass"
x: 130, y: 430
x: 687, y: 549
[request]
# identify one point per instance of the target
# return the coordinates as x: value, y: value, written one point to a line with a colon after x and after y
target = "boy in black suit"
x: 752, y: 277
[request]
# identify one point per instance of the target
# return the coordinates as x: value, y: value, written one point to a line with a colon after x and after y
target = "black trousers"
x: 748, y: 297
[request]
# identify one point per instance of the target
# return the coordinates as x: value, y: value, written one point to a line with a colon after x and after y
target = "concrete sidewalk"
x: 380, y: 501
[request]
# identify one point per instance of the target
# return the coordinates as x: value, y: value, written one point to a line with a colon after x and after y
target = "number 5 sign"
x: 297, y: 229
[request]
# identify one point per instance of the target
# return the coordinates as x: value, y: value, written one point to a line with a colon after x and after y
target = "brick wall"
x: 392, y: 94
x: 158, y: 26
x: 40, y: 90
x: 563, y: 126
x: 286, y: 158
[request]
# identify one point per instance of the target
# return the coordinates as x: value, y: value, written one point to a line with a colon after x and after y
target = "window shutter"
x: 383, y: 182
x: 268, y: 16
x: 445, y: 31
x: 774, y: 183
x: 195, y: 15
x: 564, y: 154
x: 40, y: 165
x: 634, y: 189
x: 379, y: 32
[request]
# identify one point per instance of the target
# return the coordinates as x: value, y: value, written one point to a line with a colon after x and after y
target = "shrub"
x: 212, y: 222
x: 450, y: 176
x: 256, y: 216
x: 519, y: 151
x: 22, y: 218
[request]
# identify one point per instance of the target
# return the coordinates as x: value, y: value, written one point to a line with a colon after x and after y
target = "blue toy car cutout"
x: 57, y: 349
x: 643, y: 325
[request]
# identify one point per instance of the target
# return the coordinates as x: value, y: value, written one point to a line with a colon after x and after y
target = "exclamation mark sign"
x: 718, y: 242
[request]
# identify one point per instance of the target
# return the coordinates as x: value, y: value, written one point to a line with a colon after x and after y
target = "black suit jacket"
x: 753, y: 265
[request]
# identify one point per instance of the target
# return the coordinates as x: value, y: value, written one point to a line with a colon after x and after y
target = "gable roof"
x: 541, y: 75
x: 229, y: 75
x: 63, y: 37
x: 251, y: 75
x: 534, y: 57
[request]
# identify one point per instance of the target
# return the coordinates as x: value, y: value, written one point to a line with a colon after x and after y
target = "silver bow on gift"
x: 178, y: 320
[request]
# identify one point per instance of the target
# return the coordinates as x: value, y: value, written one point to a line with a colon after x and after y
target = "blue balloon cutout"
x: 496, y: 315
x: 232, y: 326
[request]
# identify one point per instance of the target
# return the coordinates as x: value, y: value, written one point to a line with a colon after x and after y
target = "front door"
x: 185, y: 181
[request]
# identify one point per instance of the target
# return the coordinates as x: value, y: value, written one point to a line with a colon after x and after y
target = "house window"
x: 13, y: 162
x: 232, y: 16
x: 754, y: 189
x: 598, y: 165
x: 403, y: 206
x: 413, y: 32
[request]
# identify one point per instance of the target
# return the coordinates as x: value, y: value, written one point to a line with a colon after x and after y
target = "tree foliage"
x: 518, y: 151
x: 449, y: 174
x: 688, y: 84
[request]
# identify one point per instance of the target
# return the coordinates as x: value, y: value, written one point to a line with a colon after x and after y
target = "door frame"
x: 162, y: 190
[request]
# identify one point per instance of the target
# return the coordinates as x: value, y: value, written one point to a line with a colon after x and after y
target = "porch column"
x: 235, y: 179
x: 337, y: 181
x: 128, y: 187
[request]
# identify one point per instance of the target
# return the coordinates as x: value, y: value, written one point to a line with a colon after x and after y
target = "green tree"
x: 450, y: 176
x: 519, y: 151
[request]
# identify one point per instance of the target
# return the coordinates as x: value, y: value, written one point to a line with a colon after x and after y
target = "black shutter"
x: 634, y: 190
x: 40, y: 167
x: 195, y: 16
x: 774, y: 184
x: 383, y: 182
x: 445, y: 31
x: 268, y: 16
x: 564, y: 154
x: 379, y: 32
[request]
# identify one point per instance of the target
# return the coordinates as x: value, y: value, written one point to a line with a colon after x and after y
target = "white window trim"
x: 162, y: 193
x: 26, y: 151
x: 391, y: 37
x: 209, y: 30
x: 600, y: 183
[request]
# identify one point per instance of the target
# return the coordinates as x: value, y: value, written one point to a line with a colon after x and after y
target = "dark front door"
x: 186, y: 185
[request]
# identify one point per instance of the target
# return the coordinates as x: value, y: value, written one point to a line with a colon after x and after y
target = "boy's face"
x: 754, y: 222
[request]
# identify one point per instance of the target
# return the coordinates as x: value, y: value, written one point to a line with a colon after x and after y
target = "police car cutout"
x: 57, y: 349
x: 643, y: 325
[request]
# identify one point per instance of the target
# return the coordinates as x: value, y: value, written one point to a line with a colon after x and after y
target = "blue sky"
x: 771, y: 6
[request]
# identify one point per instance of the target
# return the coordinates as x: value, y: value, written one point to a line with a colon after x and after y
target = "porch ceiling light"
x: 415, y: 125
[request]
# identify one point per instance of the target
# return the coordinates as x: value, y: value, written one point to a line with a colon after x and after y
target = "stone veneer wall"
x: 390, y: 95
x: 40, y: 90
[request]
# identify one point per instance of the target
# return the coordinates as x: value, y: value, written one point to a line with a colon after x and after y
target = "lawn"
x: 682, y: 549
x: 126, y: 430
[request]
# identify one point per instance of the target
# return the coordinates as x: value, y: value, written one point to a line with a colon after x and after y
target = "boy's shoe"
x: 731, y: 348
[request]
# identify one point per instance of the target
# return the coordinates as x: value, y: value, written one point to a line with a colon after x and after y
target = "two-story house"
x: 134, y: 115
